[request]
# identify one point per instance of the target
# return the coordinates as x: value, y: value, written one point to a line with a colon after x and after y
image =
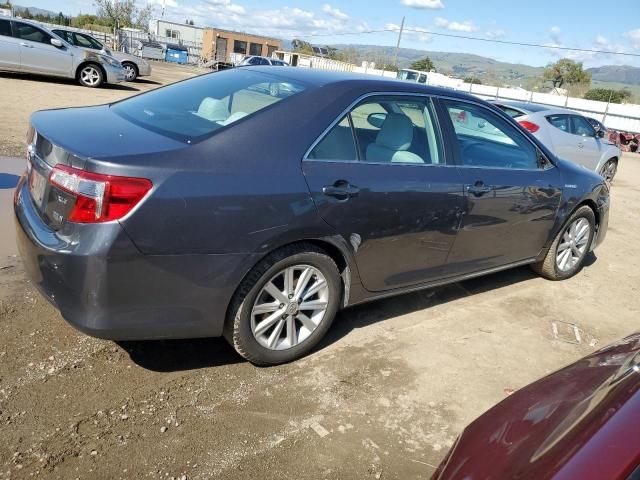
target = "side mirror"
x: 376, y: 119
x: 600, y: 133
x: 56, y: 43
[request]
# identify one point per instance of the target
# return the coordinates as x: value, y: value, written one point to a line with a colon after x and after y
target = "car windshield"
x: 196, y: 108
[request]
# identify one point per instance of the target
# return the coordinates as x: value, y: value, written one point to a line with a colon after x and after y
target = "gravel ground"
x: 384, y: 396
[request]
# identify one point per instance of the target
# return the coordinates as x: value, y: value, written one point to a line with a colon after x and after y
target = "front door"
x: 221, y: 49
x: 37, y: 55
x: 511, y: 192
x: 381, y: 179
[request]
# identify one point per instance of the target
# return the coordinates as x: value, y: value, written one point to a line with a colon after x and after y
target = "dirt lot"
x: 383, y: 397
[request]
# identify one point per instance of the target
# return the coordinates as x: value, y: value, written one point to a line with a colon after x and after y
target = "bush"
x: 606, y: 95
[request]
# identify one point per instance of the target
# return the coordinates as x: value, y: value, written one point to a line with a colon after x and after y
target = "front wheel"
x: 130, y: 71
x: 566, y: 255
x: 609, y: 170
x: 285, y: 306
x: 91, y: 76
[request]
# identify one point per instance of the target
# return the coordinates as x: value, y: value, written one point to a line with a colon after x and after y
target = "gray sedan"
x: 568, y: 134
x: 134, y: 66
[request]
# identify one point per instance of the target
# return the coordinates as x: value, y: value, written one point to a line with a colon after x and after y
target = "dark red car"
x: 580, y: 423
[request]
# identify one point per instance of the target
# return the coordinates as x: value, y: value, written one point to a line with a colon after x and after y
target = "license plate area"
x: 37, y: 187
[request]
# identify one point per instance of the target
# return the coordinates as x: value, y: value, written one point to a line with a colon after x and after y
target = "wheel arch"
x: 328, y: 246
x: 92, y: 62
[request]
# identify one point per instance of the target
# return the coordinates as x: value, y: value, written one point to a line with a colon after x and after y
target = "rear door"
x: 511, y: 196
x: 9, y: 48
x: 37, y: 55
x: 380, y: 177
x: 564, y: 142
x: 589, y: 145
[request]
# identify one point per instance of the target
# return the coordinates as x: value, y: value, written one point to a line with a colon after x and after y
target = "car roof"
x: 524, y: 107
x: 319, y: 78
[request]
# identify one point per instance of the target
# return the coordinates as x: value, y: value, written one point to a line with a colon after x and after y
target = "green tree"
x: 474, y: 80
x: 608, y: 95
x: 300, y: 46
x: 123, y: 13
x: 566, y: 72
x: 424, y: 65
x: 389, y: 67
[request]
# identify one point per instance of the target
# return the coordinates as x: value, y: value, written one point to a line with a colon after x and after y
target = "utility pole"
x: 398, y: 44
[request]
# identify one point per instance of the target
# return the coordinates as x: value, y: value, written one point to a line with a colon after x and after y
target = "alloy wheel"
x: 609, y: 170
x: 290, y: 307
x: 90, y: 75
x: 129, y: 72
x: 573, y: 245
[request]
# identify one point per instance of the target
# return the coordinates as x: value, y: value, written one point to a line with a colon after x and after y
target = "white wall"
x: 188, y: 33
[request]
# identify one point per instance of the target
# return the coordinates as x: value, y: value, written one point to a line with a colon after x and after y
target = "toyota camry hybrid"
x: 255, y: 203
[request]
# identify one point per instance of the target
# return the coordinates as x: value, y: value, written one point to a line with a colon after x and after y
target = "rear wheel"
x: 285, y: 306
x: 90, y: 75
x: 609, y: 170
x: 566, y: 255
x: 130, y: 71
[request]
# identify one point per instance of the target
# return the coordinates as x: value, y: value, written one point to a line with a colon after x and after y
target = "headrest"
x: 396, y: 132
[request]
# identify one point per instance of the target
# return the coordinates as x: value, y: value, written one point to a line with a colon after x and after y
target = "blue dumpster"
x: 176, y: 54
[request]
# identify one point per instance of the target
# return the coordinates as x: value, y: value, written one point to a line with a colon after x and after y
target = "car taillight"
x: 99, y: 198
x: 532, y: 127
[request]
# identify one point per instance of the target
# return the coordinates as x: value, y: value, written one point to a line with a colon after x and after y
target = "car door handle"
x: 23, y: 44
x: 478, y: 189
x: 341, y: 189
x: 581, y: 145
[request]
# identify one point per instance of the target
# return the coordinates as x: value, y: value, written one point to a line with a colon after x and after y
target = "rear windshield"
x: 196, y: 108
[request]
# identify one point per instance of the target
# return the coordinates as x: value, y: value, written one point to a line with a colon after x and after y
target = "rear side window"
x: 198, y: 107
x: 338, y: 144
x: 561, y: 122
x: 487, y: 140
x: 5, y: 28
x: 31, y: 33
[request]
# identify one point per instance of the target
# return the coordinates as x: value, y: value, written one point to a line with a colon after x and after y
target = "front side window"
x: 198, y: 107
x: 582, y: 127
x: 65, y: 35
x: 87, y: 42
x: 385, y: 130
x: 5, y: 28
x: 239, y: 47
x: 486, y: 140
x: 29, y: 32
x: 561, y: 122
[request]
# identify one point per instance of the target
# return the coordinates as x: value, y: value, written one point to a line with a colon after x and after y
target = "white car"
x: 134, y: 66
x: 568, y: 134
x: 26, y: 47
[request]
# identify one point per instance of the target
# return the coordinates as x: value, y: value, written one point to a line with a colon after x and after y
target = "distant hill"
x: 616, y: 73
x: 34, y: 11
x: 457, y: 64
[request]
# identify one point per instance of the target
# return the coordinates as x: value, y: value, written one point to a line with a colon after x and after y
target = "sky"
x: 585, y: 24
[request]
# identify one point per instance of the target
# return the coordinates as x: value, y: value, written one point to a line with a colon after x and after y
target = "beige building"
x: 225, y: 45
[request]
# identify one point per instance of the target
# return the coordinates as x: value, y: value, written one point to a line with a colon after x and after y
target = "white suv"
x: 29, y: 48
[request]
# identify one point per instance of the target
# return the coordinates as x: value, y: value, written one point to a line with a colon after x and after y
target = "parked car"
x: 567, y: 133
x: 256, y: 60
x: 207, y: 208
x: 580, y: 422
x: 27, y: 47
x: 133, y: 66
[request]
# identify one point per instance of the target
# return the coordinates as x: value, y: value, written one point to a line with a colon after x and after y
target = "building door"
x: 221, y: 49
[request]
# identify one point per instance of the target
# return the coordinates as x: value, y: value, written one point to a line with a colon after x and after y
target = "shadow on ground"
x: 147, y: 81
x: 178, y: 355
x: 8, y: 181
x: 66, y: 81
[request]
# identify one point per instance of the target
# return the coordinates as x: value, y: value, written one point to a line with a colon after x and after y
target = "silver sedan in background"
x: 568, y: 134
x: 134, y: 66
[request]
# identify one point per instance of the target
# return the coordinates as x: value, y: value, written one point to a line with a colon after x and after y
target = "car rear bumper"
x: 105, y: 287
x: 603, y: 224
x: 144, y: 70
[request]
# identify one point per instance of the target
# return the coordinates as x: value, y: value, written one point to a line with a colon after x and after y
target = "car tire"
x: 294, y: 331
x: 562, y: 260
x: 609, y: 170
x: 130, y: 71
x: 90, y: 75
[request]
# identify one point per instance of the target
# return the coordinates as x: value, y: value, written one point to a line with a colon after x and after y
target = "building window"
x: 239, y: 47
x: 255, y: 49
x: 271, y: 49
x: 172, y: 33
